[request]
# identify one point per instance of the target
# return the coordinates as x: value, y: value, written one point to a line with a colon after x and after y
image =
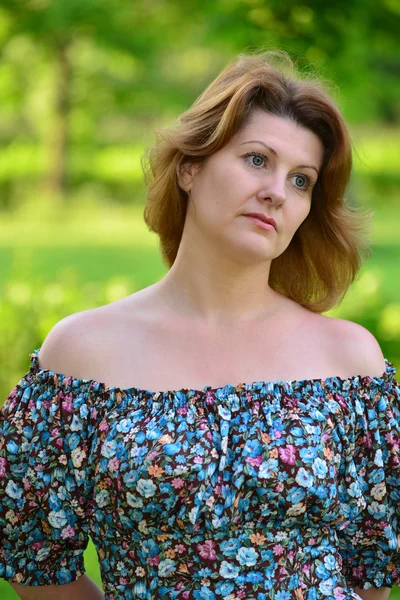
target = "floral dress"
x: 282, y: 490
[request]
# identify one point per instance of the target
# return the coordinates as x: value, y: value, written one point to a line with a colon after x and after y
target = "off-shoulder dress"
x: 282, y: 490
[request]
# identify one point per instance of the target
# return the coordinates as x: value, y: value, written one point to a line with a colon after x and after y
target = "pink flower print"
x: 54, y: 432
x: 207, y: 550
x: 3, y: 463
x: 59, y: 442
x: 153, y: 455
x: 288, y: 454
x: 68, y: 532
x: 180, y: 548
x: 37, y: 545
x: 278, y: 549
x: 103, y: 425
x: 182, y: 410
x: 178, y: 483
x: 209, y: 397
x: 311, y: 541
x: 153, y: 560
x: 306, y: 570
x: 277, y: 434
x: 198, y: 459
x: 113, y: 464
x: 338, y: 593
x: 256, y: 461
x: 67, y: 403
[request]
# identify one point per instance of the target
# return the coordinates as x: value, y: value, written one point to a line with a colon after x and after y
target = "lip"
x: 262, y: 218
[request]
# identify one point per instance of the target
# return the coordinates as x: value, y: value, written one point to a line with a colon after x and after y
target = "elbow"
x: 382, y: 593
x: 81, y: 589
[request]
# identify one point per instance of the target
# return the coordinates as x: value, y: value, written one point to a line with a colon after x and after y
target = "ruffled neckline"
x: 335, y: 383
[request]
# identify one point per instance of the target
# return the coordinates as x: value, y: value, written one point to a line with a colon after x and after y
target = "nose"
x: 273, y: 189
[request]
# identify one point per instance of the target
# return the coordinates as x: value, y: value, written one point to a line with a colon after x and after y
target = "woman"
x: 130, y: 426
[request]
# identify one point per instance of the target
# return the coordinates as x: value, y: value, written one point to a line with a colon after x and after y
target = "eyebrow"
x: 275, y: 154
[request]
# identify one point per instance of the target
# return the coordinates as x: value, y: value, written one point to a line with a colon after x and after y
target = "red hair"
x: 328, y: 249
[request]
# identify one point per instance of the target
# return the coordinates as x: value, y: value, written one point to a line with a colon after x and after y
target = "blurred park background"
x: 83, y: 86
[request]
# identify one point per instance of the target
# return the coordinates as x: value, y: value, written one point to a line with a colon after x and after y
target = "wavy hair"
x: 330, y: 246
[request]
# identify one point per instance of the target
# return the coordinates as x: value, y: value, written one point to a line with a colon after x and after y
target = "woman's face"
x: 269, y: 167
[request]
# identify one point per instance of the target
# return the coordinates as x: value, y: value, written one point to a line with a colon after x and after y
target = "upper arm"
x: 46, y: 484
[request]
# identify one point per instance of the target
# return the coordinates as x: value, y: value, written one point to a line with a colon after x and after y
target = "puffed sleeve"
x: 369, y: 489
x: 45, y: 479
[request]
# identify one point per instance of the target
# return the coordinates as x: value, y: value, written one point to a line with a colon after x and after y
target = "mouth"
x: 263, y: 221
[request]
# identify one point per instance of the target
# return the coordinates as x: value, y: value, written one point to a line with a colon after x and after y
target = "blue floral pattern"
x: 282, y: 490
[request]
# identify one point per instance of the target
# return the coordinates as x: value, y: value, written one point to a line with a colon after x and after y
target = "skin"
x: 81, y: 589
x: 220, y: 275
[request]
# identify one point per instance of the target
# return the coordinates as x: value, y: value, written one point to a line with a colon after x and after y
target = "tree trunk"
x: 55, y: 182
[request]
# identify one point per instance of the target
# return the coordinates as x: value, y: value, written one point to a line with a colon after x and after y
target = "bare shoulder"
x: 69, y: 343
x: 77, y: 344
x: 358, y: 347
x: 81, y: 344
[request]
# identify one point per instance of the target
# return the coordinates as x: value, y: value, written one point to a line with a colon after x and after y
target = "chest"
x: 173, y: 356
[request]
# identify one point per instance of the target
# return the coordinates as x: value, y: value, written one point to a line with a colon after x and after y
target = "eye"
x: 304, y: 180
x: 259, y: 158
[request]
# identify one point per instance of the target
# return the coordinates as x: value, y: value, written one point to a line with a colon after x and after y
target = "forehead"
x: 283, y: 135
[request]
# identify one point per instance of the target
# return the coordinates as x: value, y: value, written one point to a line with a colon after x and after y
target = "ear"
x: 185, y: 175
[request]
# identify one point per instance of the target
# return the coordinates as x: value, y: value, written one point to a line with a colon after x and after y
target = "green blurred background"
x: 83, y: 86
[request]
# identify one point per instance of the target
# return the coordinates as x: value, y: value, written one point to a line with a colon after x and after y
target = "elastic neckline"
x: 334, y: 382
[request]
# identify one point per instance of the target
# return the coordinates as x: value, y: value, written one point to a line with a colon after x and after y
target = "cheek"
x: 222, y: 186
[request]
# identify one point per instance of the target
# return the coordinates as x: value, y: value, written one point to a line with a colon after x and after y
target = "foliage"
x: 81, y: 82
